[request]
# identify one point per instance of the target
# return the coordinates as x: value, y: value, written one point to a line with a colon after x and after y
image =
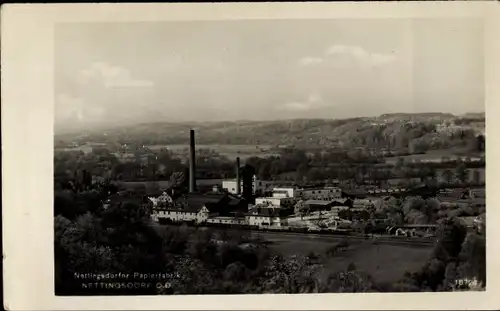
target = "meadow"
x: 386, y: 263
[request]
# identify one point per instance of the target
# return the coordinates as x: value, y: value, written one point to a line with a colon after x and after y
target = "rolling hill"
x: 395, y: 131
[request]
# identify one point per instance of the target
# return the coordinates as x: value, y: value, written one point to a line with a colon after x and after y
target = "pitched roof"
x: 318, y: 202
x: 196, y: 201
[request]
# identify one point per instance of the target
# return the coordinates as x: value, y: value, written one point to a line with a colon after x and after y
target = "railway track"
x: 332, y: 237
x: 270, y: 235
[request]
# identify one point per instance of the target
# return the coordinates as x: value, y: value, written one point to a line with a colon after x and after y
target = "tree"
x: 433, y: 206
x: 451, y: 235
x: 448, y: 176
x: 413, y: 203
x: 352, y: 281
x: 416, y: 217
x: 302, y: 170
x: 473, y: 258
x: 461, y: 173
x: 236, y: 272
x: 264, y: 171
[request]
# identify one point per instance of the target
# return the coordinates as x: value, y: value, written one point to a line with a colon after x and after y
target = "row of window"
x: 173, y: 213
x: 328, y: 191
x: 229, y: 221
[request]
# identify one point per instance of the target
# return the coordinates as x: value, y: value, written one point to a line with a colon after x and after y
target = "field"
x: 230, y: 151
x: 386, y: 263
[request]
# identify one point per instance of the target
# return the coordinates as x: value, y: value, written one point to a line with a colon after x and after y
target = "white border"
x: 27, y: 133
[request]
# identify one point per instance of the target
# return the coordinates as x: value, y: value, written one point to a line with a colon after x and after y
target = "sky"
x: 123, y: 73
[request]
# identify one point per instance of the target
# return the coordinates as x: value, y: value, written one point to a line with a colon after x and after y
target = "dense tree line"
x: 145, y: 166
x: 74, y: 169
x: 417, y: 210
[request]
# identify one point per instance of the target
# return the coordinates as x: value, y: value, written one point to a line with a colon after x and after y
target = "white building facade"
x: 175, y: 215
x: 258, y: 186
x: 286, y: 192
x: 273, y: 201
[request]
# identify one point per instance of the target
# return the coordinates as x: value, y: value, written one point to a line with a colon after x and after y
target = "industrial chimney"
x: 192, y: 163
x: 238, y: 178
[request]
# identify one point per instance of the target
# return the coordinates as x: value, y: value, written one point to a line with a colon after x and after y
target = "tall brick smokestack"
x: 192, y: 162
x: 238, y: 178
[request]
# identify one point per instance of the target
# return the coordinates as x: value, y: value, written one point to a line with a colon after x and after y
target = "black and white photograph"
x: 269, y: 156
x: 252, y: 156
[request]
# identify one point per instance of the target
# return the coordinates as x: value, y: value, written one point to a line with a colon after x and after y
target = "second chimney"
x: 192, y: 163
x: 238, y: 178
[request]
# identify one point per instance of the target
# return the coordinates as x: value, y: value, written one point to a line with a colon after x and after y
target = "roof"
x: 341, y: 200
x: 313, y: 188
x: 194, y: 201
x: 318, y: 202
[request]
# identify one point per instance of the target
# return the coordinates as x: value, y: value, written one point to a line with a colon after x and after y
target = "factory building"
x: 273, y: 201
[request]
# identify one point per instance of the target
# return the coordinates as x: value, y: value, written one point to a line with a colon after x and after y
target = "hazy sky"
x: 264, y: 70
